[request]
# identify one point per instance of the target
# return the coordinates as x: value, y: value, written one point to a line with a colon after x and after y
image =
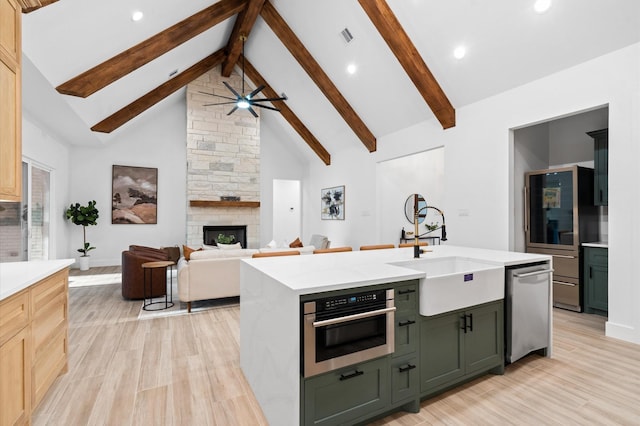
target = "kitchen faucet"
x: 443, y: 237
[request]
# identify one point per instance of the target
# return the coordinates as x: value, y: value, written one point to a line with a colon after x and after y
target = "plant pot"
x: 84, y: 263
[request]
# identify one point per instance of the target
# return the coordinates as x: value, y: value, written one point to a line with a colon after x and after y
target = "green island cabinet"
x: 459, y: 345
x: 596, y: 280
x: 359, y: 392
x: 600, y: 166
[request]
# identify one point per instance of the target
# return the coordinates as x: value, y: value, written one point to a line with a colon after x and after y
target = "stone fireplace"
x: 223, y: 160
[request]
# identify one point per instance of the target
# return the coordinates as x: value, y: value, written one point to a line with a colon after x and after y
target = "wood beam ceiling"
x: 287, y: 114
x: 145, y: 102
x: 400, y: 44
x: 313, y: 69
x: 243, y: 26
x: 31, y: 5
x: 131, y: 59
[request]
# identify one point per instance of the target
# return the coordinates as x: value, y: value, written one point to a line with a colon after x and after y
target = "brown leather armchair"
x: 133, y: 275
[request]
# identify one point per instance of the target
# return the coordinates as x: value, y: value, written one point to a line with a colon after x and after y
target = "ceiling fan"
x: 245, y: 101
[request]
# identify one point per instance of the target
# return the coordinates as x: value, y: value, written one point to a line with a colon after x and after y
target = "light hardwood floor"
x: 184, y: 370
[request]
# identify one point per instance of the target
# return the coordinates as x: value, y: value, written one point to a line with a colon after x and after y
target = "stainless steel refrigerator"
x: 560, y: 215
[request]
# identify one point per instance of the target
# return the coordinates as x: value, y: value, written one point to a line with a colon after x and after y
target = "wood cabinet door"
x: 10, y: 102
x: 15, y: 382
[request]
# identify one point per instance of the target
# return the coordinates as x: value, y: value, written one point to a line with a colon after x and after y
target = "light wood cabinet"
x: 10, y: 101
x: 15, y: 360
x: 33, y: 345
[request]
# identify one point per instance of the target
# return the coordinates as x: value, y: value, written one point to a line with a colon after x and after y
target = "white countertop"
x: 334, y: 271
x: 16, y: 276
x: 601, y: 244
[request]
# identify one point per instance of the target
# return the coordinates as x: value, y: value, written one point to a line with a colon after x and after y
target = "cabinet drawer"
x: 48, y: 363
x: 406, y: 298
x: 46, y: 290
x: 48, y: 321
x: 566, y: 291
x: 406, y: 335
x: 342, y: 396
x: 597, y: 256
x: 14, y: 315
x: 404, y: 379
x: 566, y: 265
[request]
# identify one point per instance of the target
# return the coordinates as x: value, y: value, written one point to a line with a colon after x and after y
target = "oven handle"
x: 353, y: 317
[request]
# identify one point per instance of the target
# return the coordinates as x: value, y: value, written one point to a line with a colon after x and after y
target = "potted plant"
x: 85, y: 216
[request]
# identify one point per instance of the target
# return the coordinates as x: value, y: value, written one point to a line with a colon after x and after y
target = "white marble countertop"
x: 601, y: 244
x: 16, y: 276
x: 334, y: 271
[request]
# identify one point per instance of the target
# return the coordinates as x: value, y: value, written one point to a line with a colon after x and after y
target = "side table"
x: 147, y: 269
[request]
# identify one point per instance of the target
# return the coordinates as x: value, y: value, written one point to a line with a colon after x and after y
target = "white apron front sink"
x: 456, y: 283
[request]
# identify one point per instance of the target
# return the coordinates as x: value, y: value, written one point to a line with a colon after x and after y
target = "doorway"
x: 287, y: 216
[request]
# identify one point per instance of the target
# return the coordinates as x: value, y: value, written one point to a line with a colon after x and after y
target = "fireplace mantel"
x: 217, y: 203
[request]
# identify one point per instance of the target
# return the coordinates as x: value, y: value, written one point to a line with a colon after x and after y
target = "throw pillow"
x: 188, y: 250
x: 272, y: 244
x: 296, y: 243
x: 235, y: 246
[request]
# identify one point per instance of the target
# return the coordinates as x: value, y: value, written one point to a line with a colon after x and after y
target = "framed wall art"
x: 134, y: 195
x: 332, y: 203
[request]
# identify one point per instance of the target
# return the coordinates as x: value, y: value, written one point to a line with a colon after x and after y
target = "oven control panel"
x: 350, y: 300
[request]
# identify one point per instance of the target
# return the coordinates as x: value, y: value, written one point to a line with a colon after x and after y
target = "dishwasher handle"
x: 531, y: 274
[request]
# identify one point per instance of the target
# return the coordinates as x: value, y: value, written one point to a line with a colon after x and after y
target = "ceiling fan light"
x: 243, y: 104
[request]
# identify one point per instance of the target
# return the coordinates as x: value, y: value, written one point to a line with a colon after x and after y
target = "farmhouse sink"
x: 456, y: 283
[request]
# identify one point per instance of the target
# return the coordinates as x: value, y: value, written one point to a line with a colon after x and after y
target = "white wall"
x: 478, y: 178
x: 287, y: 214
x: 159, y: 142
x: 41, y: 146
x: 397, y: 179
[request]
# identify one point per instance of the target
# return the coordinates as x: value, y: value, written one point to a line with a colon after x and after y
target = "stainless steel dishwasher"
x: 528, y: 310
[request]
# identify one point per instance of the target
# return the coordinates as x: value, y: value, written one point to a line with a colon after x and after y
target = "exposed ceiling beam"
x: 313, y: 69
x: 286, y: 112
x: 31, y: 5
x: 243, y: 26
x: 145, y: 102
x: 400, y: 44
x: 131, y: 59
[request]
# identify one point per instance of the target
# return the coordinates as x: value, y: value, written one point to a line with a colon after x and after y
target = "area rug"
x: 180, y: 308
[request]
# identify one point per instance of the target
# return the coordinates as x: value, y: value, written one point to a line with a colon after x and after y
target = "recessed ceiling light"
x: 136, y: 16
x: 352, y: 68
x: 459, y: 52
x: 541, y: 6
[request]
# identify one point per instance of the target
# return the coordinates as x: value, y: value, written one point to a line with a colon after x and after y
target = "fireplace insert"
x: 210, y: 234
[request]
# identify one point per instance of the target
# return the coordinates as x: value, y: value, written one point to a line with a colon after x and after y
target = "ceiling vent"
x: 346, y: 34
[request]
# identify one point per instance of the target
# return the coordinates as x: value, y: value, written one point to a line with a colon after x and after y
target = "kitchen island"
x: 270, y: 320
x: 33, y: 333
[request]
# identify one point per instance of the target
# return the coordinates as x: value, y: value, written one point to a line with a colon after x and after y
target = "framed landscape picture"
x: 134, y: 195
x: 332, y: 203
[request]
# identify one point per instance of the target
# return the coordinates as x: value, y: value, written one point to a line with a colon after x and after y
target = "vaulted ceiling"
x: 110, y: 71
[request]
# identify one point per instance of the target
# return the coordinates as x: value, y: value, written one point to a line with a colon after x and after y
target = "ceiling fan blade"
x: 265, y: 106
x: 232, y: 111
x: 221, y: 103
x: 219, y: 96
x: 255, y: 92
x: 284, y: 98
x: 252, y: 112
x: 232, y: 89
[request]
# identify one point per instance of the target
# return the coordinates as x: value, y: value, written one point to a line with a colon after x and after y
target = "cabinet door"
x: 10, y: 102
x: 15, y: 382
x: 406, y: 335
x: 601, y: 167
x: 404, y: 379
x: 484, y: 340
x: 441, y: 350
x: 596, y: 278
x: 341, y: 397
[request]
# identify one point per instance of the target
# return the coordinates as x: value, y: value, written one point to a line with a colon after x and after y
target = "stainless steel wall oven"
x: 345, y: 329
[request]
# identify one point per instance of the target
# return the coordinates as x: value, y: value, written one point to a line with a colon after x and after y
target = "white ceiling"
x: 507, y: 45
